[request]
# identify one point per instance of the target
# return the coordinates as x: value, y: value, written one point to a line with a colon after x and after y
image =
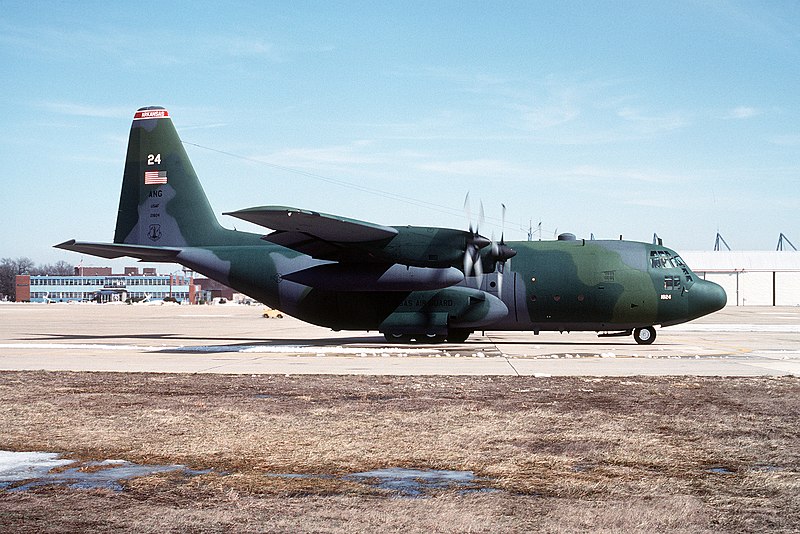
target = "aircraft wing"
x: 118, y: 250
x: 319, y: 235
x: 331, y: 228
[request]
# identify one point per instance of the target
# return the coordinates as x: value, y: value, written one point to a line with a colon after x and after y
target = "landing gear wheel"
x: 397, y: 338
x: 644, y: 336
x: 458, y: 336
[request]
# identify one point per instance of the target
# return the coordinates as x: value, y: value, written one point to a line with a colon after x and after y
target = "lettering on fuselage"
x: 421, y: 303
x: 157, y: 193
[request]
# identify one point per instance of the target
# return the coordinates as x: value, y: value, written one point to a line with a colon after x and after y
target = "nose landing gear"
x: 644, y: 336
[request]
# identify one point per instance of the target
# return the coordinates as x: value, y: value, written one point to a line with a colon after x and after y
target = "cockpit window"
x: 661, y: 259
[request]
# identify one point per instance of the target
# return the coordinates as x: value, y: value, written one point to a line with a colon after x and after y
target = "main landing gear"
x: 453, y: 336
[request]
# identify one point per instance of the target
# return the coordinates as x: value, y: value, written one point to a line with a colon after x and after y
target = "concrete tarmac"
x: 751, y: 341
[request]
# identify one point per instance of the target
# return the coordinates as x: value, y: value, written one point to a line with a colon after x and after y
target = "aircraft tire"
x: 644, y: 336
x: 397, y: 338
x: 458, y: 336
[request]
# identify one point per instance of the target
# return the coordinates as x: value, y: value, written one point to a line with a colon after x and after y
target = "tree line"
x: 10, y: 268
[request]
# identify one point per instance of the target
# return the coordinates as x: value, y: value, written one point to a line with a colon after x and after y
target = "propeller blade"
x: 468, y: 212
x: 503, y: 225
x: 468, y: 262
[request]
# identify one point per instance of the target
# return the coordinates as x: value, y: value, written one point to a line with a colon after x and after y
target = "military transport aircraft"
x: 410, y: 283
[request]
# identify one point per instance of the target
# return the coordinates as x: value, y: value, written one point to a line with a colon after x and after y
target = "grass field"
x: 554, y: 454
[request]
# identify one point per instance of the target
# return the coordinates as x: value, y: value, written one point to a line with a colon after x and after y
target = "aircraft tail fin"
x: 162, y: 202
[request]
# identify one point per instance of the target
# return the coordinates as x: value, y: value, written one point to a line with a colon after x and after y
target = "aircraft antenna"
x: 722, y: 240
x: 781, y: 239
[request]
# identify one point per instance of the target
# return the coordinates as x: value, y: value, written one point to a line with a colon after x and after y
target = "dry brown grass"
x: 628, y: 454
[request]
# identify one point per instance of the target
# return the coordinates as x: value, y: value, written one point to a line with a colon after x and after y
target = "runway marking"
x: 82, y: 346
x: 723, y: 327
x: 239, y: 349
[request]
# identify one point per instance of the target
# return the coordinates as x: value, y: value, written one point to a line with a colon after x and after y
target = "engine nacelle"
x: 375, y: 277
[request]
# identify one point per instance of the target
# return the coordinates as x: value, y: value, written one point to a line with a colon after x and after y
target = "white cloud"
x: 786, y: 140
x: 86, y: 110
x: 742, y: 112
x: 476, y: 167
x: 648, y: 124
x: 541, y: 117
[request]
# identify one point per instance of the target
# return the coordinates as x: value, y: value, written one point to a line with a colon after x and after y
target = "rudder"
x: 162, y: 202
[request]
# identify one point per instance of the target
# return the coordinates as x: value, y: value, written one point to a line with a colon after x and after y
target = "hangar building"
x: 751, y: 278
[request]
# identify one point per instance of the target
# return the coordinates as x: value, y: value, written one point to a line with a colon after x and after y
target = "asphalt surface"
x: 751, y: 341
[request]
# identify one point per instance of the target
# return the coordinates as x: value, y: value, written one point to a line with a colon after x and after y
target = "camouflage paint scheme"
x: 406, y: 282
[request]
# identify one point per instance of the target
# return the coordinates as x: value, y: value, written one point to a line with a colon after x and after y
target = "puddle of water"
x: 408, y: 482
x: 417, y: 482
x: 21, y: 471
x: 720, y: 471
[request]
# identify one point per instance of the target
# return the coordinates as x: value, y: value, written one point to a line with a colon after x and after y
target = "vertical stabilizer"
x: 162, y: 202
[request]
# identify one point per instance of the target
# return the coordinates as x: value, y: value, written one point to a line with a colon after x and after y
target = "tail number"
x: 154, y: 159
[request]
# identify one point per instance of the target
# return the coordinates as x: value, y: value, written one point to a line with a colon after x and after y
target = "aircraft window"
x: 672, y: 282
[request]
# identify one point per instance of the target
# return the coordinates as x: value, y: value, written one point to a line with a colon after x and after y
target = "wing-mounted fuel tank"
x: 438, y: 313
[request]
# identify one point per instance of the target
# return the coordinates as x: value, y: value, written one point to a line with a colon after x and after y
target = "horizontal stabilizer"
x: 114, y: 250
x: 331, y: 228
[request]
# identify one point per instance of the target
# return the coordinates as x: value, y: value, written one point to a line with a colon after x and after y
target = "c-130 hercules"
x: 408, y: 282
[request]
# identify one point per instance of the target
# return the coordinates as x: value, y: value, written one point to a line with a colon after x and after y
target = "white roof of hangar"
x: 742, y: 260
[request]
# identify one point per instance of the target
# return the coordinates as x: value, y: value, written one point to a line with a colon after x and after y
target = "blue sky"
x: 604, y: 118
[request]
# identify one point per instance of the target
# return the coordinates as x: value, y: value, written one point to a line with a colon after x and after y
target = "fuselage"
x: 567, y: 285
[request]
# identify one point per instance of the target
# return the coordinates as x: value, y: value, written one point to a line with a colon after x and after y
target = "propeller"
x: 501, y: 253
x: 474, y: 243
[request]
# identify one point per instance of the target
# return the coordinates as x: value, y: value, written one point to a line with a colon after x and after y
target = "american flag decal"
x: 155, y: 177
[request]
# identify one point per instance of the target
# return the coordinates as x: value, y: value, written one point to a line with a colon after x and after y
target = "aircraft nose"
x: 706, y: 297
